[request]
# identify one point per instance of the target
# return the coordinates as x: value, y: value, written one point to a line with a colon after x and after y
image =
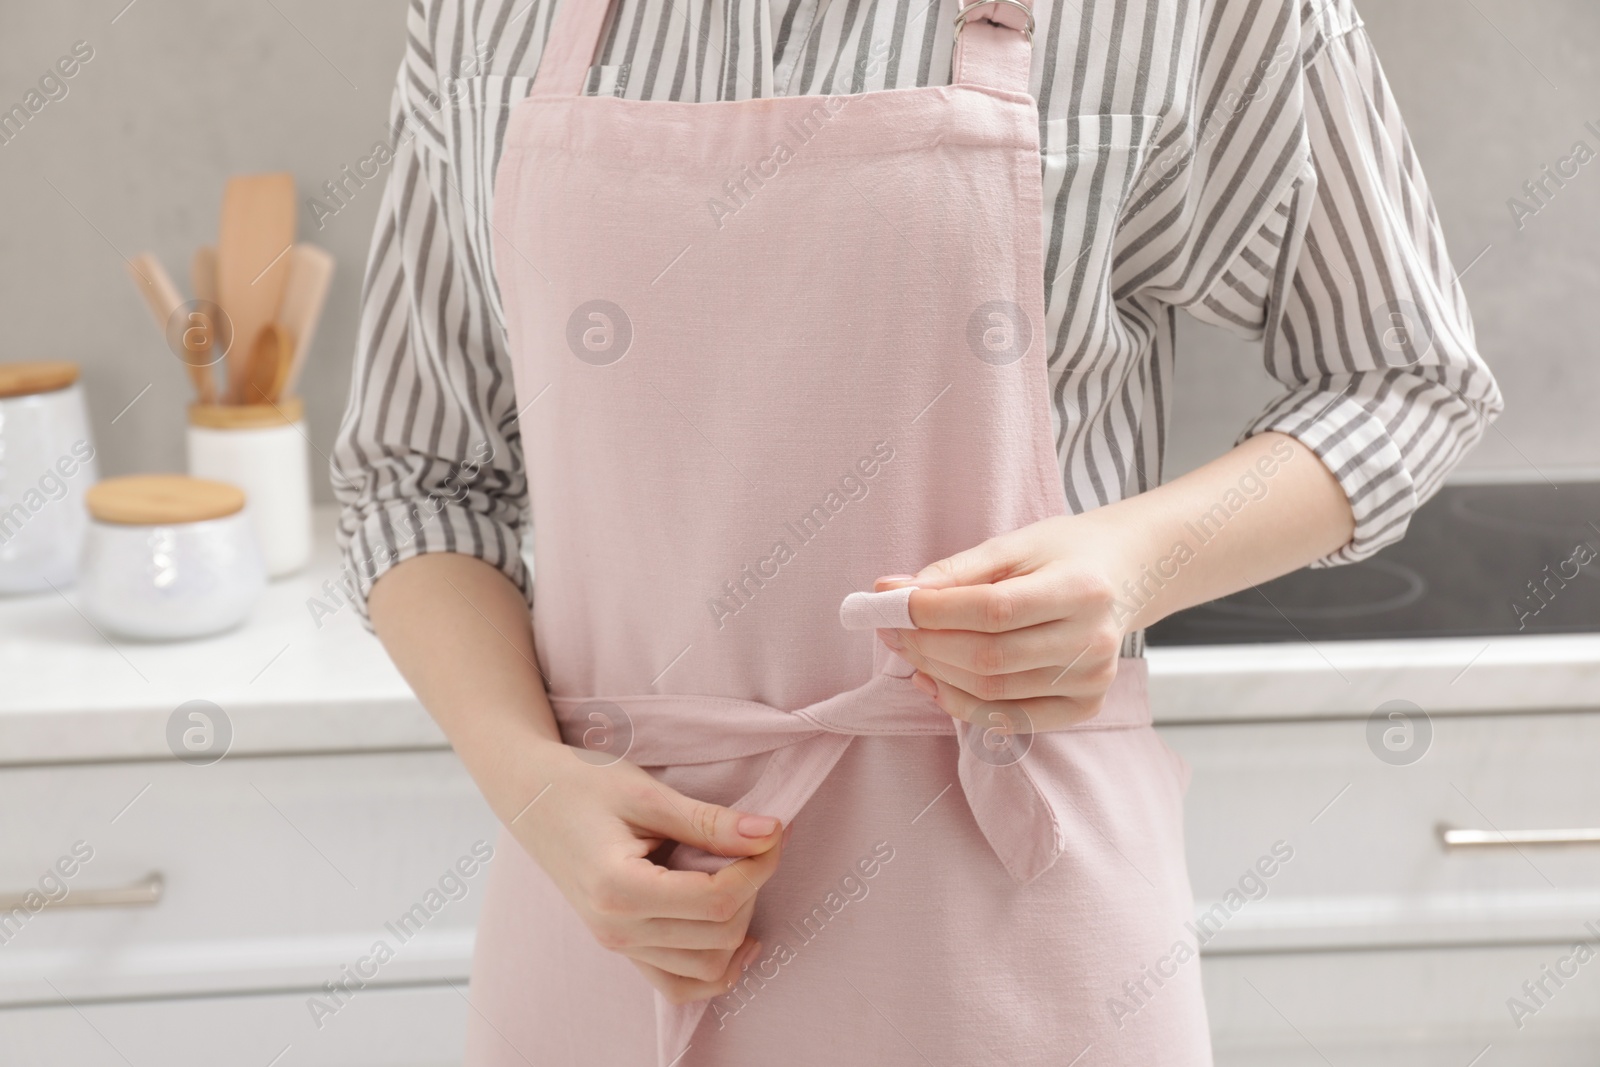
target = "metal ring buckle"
x: 961, y: 16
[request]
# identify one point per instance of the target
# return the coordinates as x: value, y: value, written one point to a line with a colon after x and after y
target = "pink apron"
x: 766, y: 351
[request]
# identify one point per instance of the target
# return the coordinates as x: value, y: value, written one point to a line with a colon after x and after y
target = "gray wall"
x: 1492, y: 90
x: 181, y: 93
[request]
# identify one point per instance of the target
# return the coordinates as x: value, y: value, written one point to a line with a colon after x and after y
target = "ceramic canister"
x: 46, y: 464
x: 169, y: 557
x: 262, y: 449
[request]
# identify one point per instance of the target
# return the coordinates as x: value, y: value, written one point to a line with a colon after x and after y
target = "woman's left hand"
x: 1030, y: 618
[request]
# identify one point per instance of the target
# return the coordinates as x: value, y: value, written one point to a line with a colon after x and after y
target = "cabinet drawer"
x: 1438, y: 1007
x: 414, y: 1027
x: 1368, y: 864
x: 275, y: 873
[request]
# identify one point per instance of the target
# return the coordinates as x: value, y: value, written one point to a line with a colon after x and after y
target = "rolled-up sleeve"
x: 1364, y: 320
x: 428, y: 457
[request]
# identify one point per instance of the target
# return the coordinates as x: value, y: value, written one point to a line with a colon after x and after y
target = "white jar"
x: 169, y: 557
x: 46, y: 463
x: 262, y: 449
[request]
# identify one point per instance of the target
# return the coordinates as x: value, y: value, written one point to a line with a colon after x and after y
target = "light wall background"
x: 182, y: 93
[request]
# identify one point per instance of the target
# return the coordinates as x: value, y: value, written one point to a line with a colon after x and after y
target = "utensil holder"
x: 262, y: 449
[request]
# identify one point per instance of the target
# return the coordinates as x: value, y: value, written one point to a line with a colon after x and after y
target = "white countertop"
x: 1346, y: 679
x: 68, y: 693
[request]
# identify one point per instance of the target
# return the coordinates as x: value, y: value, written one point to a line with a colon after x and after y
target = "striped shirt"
x: 1242, y: 160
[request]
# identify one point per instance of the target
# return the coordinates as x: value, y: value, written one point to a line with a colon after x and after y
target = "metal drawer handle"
x: 141, y: 894
x: 1454, y: 838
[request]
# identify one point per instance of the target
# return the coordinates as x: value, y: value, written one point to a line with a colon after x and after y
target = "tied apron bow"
x: 1017, y: 816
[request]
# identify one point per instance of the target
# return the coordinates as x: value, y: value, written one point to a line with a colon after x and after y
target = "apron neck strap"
x: 993, y: 46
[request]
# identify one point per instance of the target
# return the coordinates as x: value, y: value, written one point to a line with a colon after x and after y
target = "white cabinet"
x: 1439, y: 1007
x: 276, y: 875
x: 1375, y: 943
x: 423, y: 1026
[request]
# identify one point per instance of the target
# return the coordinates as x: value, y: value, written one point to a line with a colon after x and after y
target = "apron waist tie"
x: 1017, y: 816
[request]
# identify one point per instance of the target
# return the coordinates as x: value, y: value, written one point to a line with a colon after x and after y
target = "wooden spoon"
x: 267, y: 368
x: 253, y: 244
x: 310, y: 269
x: 162, y: 298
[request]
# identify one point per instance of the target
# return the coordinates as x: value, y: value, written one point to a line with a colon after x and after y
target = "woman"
x: 766, y: 336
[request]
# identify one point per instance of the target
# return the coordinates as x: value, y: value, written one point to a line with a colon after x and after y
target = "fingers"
x: 1022, y: 685
x: 1050, y: 644
x: 1044, y: 713
x: 1011, y: 603
x: 690, y: 933
x: 631, y: 936
x: 997, y: 558
x: 990, y: 667
x: 687, y: 959
x: 679, y: 989
x: 706, y: 960
x: 642, y: 890
x: 682, y: 963
x: 668, y: 814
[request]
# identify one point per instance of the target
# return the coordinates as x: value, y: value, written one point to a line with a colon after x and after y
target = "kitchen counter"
x: 277, y: 872
x: 287, y: 685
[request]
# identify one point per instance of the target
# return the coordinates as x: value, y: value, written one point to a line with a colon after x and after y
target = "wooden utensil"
x: 155, y: 285
x: 267, y: 368
x: 162, y: 298
x: 203, y: 279
x: 253, y: 244
x: 310, y: 270
x: 203, y: 276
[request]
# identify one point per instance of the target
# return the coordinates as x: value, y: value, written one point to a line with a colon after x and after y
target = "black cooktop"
x: 1478, y: 560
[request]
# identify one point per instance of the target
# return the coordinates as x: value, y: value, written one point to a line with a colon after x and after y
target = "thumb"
x: 667, y: 813
x: 992, y: 561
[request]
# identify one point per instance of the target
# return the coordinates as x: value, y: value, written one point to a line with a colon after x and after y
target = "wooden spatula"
x: 310, y: 270
x: 268, y: 366
x: 253, y: 244
x: 162, y: 298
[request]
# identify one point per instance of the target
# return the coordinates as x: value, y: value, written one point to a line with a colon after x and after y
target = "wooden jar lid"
x: 162, y: 499
x: 247, y: 416
x: 45, y: 376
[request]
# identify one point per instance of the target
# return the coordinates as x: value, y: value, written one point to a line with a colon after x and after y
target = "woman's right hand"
x: 593, y: 831
x: 460, y: 632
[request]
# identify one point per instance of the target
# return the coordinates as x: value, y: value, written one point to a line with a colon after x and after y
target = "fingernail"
x: 889, y: 579
x: 924, y: 683
x: 750, y: 954
x: 892, y: 639
x: 757, y: 825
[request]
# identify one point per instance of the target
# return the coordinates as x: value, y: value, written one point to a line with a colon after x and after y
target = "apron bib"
x: 765, y: 351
